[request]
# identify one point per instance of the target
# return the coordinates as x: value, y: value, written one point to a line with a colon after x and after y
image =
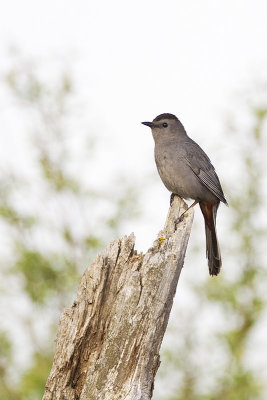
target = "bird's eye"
x: 164, y: 124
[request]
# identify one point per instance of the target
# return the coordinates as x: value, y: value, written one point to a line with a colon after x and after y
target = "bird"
x: 186, y: 171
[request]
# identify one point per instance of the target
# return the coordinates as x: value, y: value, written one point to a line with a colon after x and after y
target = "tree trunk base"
x: 108, y: 343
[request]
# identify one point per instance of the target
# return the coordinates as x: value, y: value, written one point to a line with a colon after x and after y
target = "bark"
x: 108, y: 343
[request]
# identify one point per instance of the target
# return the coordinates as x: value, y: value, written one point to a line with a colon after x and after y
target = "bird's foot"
x: 181, y: 218
x: 171, y: 198
x: 178, y: 220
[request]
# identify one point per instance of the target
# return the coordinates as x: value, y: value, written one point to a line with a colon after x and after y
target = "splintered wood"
x: 108, y: 342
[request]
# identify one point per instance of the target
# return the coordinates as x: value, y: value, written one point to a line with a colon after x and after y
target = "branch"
x: 108, y: 343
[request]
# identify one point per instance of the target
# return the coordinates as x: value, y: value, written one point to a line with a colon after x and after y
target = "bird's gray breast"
x: 172, y: 169
x: 176, y: 174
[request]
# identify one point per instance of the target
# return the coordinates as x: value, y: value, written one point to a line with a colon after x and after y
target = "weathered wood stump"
x: 108, y: 343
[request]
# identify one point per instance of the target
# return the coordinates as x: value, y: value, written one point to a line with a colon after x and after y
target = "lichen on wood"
x: 108, y: 342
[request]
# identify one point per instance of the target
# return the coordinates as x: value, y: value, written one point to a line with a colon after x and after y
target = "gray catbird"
x: 186, y: 170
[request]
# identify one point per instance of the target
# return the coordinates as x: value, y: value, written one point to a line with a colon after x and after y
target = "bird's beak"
x: 150, y: 124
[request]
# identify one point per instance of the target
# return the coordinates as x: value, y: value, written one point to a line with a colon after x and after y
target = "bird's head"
x: 165, y: 126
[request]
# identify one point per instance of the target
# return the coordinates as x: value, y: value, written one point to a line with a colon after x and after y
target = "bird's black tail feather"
x: 209, y: 211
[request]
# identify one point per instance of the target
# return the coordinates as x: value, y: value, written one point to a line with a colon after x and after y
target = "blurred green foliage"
x: 48, y: 254
x: 236, y: 297
x: 44, y: 277
x: 51, y: 241
x: 32, y: 380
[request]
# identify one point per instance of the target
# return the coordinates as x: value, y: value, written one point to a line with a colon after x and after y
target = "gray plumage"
x: 186, y: 170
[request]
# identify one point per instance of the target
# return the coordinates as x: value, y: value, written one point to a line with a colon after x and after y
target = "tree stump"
x: 108, y: 342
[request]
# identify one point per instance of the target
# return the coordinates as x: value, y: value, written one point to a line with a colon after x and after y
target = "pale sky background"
x: 134, y: 60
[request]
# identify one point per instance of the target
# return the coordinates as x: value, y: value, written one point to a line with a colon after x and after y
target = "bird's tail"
x: 209, y: 211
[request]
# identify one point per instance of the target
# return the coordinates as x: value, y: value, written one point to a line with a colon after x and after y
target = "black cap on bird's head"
x: 160, y: 118
x: 165, y: 120
x: 165, y: 116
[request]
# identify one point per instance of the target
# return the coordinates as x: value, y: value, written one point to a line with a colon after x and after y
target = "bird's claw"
x: 178, y: 220
x: 171, y: 198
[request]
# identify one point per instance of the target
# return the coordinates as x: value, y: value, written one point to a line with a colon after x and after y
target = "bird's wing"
x: 200, y: 164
